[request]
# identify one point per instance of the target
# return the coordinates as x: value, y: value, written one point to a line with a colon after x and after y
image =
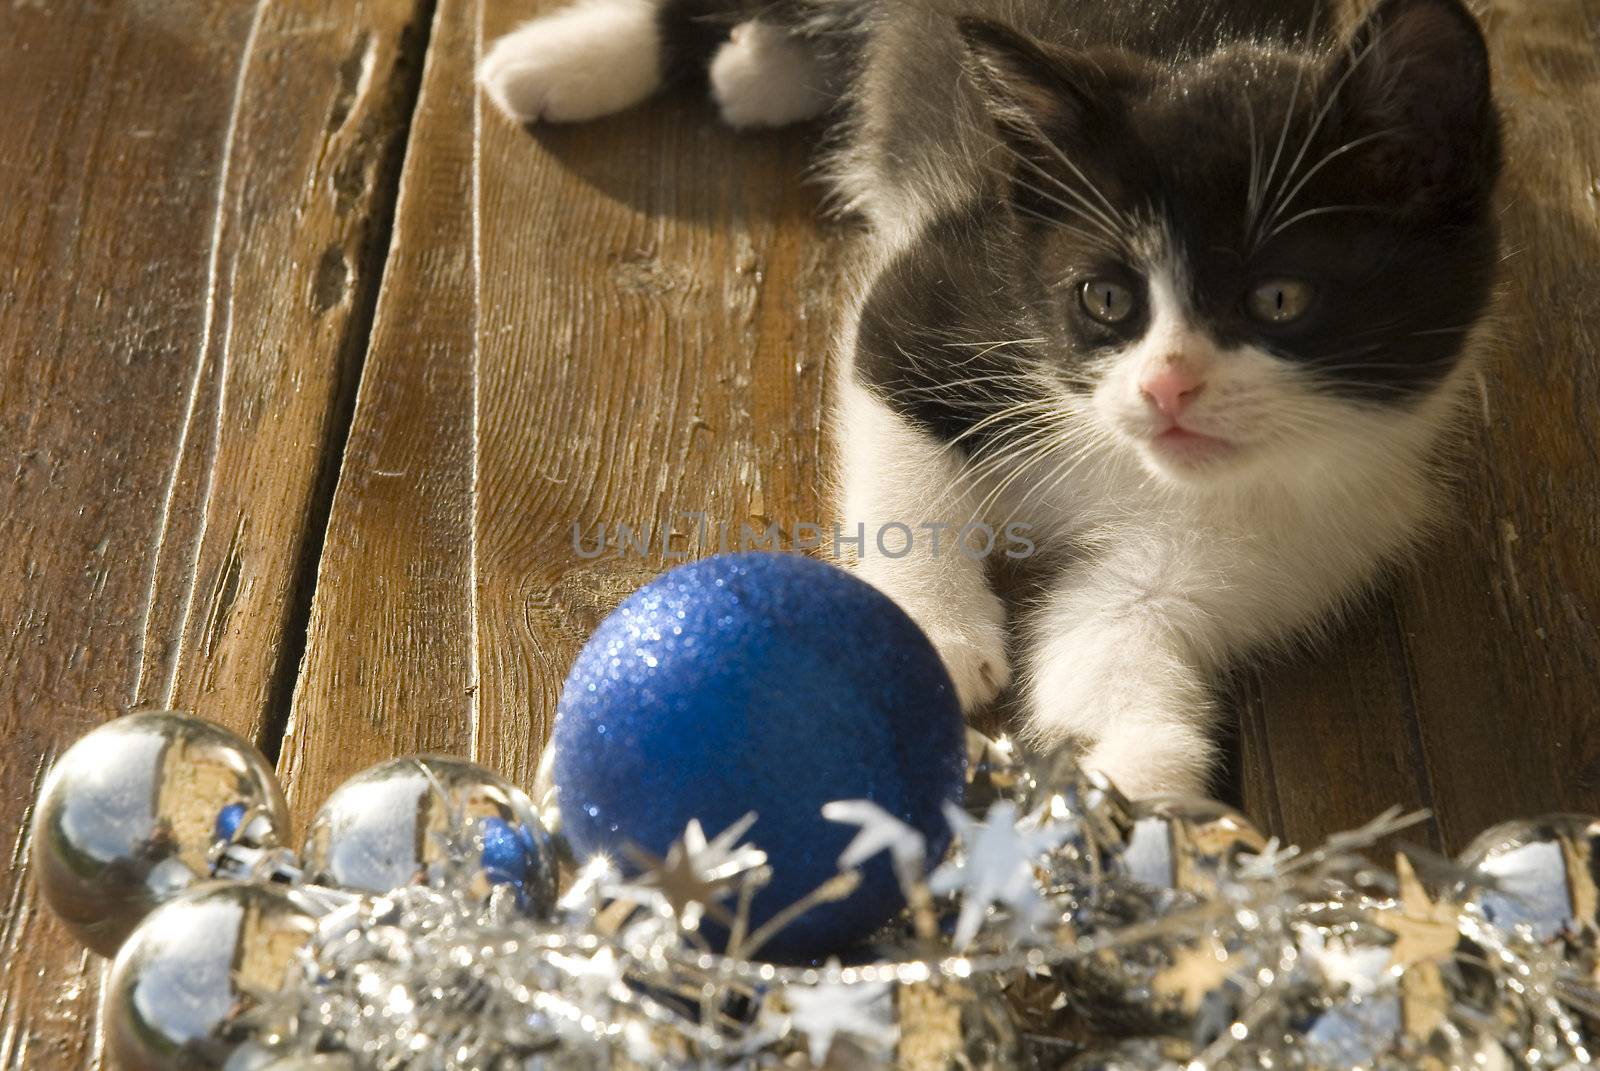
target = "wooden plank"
x: 1480, y: 675
x: 660, y: 299
x: 1505, y: 653
x: 654, y: 302
x: 1328, y: 738
x: 192, y: 194
x: 388, y: 664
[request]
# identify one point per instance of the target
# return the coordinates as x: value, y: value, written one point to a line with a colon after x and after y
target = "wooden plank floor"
x: 308, y: 364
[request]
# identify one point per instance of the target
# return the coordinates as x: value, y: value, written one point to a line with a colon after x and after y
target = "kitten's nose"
x: 1171, y: 388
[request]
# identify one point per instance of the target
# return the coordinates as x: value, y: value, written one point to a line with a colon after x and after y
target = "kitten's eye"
x: 1280, y: 301
x: 1106, y: 301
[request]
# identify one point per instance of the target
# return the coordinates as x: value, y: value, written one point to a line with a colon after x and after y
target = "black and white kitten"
x: 1184, y: 286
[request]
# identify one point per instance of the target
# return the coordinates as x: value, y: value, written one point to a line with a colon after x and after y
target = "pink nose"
x: 1171, y: 389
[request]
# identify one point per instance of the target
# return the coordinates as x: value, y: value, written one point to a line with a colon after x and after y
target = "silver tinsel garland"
x: 1066, y: 928
x: 1164, y: 935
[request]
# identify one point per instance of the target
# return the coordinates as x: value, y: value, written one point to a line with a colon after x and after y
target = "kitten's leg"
x: 896, y: 474
x: 765, y: 76
x: 588, y: 60
x: 1115, y: 661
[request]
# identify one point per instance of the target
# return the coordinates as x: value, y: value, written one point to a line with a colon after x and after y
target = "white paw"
x: 589, y: 60
x: 1165, y: 760
x: 977, y: 664
x: 765, y: 77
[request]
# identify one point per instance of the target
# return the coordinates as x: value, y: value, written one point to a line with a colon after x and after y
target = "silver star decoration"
x: 878, y: 831
x: 822, y: 1012
x: 593, y: 977
x: 1360, y: 971
x: 995, y: 868
x: 697, y: 873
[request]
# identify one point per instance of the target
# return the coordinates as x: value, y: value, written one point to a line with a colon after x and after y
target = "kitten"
x: 1185, y: 286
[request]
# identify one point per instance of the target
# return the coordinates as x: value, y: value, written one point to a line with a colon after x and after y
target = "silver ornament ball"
x: 187, y: 980
x: 399, y: 823
x: 1540, y: 873
x: 128, y: 815
x: 321, y: 1062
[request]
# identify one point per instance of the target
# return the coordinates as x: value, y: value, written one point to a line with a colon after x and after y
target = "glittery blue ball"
x: 770, y: 683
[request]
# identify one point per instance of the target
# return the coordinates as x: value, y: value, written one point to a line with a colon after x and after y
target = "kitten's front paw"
x: 977, y: 665
x: 1160, y: 762
x: 589, y: 60
x: 765, y: 77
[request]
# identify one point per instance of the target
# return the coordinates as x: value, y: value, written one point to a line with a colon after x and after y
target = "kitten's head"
x: 1246, y: 259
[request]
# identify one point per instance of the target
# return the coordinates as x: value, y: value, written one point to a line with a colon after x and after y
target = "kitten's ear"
x: 1415, y: 77
x: 1030, y: 93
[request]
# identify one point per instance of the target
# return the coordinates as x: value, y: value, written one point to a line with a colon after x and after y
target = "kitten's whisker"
x: 1026, y: 451
x: 1037, y: 455
x: 1283, y: 140
x: 1323, y: 211
x: 1043, y: 412
x: 989, y: 346
x: 1055, y: 151
x: 1093, y: 238
x: 951, y: 384
x: 1066, y: 468
x: 1041, y: 408
x: 1252, y: 195
x: 1462, y: 330
x: 1103, y: 231
x: 1110, y: 218
x: 1284, y: 202
x: 1081, y: 441
x: 1316, y: 125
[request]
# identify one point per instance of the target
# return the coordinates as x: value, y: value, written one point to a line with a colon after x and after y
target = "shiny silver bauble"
x: 1542, y: 874
x: 128, y: 815
x: 402, y: 822
x: 188, y: 977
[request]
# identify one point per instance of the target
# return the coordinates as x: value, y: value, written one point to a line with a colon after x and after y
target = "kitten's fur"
x: 1183, y: 168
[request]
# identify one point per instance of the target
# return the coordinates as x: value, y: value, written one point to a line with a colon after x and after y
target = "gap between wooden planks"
x: 198, y: 197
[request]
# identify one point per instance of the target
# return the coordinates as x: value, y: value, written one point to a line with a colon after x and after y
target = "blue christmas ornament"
x: 770, y: 683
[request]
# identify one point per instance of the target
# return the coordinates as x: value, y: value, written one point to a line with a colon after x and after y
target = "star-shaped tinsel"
x: 697, y: 874
x: 825, y: 1011
x: 995, y: 866
x: 1425, y: 937
x: 878, y: 831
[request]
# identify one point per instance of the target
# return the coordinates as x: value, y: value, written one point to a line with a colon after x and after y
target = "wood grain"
x: 388, y: 664
x: 652, y: 302
x: 191, y: 189
x: 1473, y: 687
x: 626, y: 322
